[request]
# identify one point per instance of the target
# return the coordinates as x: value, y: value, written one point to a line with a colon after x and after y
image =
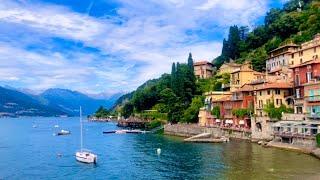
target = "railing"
x: 315, y: 98
x: 294, y: 134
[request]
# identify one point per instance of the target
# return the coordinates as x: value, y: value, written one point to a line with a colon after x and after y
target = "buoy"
x: 158, y: 151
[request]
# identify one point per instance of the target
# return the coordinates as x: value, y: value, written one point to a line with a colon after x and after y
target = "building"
x: 305, y: 74
x: 271, y: 92
x: 307, y: 51
x: 280, y: 58
x: 243, y: 75
x: 312, y: 99
x: 203, y: 69
x: 227, y: 68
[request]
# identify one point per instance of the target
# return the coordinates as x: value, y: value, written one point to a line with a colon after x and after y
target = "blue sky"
x: 112, y: 45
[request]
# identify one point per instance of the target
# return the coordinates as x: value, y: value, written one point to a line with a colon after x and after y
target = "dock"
x: 125, y: 131
x: 206, y: 138
x: 133, y: 123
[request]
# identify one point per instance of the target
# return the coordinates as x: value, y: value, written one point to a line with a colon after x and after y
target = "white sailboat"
x: 83, y: 155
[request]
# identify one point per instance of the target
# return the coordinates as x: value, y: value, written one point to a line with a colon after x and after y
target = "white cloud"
x: 151, y: 34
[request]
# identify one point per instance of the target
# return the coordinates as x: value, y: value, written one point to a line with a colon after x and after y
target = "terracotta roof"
x: 306, y: 63
x: 275, y: 86
x: 287, y: 45
x: 245, y: 88
x: 201, y: 63
x: 225, y: 98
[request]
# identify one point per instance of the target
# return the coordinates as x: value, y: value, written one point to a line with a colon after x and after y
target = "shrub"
x: 318, y: 139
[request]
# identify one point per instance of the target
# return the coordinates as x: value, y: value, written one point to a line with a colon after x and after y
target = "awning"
x: 229, y: 122
x: 218, y: 120
x: 241, y: 122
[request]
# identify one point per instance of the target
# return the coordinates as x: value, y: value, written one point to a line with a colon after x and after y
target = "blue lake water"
x: 32, y: 153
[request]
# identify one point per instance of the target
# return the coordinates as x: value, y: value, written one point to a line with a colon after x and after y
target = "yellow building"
x: 243, y: 75
x: 277, y: 93
x: 307, y: 52
x: 203, y: 69
x: 228, y: 68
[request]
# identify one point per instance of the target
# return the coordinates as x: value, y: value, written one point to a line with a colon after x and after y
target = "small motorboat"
x: 56, y: 126
x: 34, y: 126
x: 63, y: 132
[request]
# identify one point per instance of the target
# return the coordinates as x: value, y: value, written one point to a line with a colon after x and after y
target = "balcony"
x: 312, y: 99
x: 237, y: 98
x: 314, y: 116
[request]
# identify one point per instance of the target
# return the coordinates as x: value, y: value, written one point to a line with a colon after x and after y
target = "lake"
x: 32, y: 153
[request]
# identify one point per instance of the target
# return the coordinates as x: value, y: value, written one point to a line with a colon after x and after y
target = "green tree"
x: 216, y: 111
x: 191, y: 113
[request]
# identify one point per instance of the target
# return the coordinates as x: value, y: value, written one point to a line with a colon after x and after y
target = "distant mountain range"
x: 52, y: 102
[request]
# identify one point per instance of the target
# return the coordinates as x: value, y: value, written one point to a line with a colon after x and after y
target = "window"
x: 301, y: 60
x: 299, y: 110
x: 315, y: 50
x: 309, y: 76
x: 260, y: 93
x: 292, y: 55
x: 297, y: 81
x: 278, y: 91
x: 277, y: 101
x: 297, y: 93
x: 268, y: 92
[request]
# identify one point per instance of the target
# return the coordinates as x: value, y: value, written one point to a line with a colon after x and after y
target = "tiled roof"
x: 287, y: 45
x: 202, y: 63
x: 306, y: 63
x: 246, y: 88
x: 275, y: 86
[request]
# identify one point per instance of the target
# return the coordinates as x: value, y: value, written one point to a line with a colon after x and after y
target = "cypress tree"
x: 190, y: 62
x: 173, y: 77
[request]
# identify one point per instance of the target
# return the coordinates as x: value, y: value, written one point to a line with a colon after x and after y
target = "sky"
x: 112, y: 46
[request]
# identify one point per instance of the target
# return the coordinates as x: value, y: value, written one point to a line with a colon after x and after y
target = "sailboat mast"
x: 81, y: 140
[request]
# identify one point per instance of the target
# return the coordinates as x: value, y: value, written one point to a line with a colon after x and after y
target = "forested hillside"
x: 295, y: 22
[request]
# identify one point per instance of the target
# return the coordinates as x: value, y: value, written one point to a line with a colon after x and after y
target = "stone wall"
x: 188, y: 130
x: 261, y: 128
x: 184, y: 130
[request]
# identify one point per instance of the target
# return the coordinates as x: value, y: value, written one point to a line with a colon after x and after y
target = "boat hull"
x: 86, y: 157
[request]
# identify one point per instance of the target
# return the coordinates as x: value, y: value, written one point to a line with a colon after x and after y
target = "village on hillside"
x: 281, y: 105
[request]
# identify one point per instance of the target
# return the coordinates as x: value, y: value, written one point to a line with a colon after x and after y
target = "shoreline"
x: 189, y: 130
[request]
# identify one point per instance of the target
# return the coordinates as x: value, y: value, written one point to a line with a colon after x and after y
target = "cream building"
x: 203, y: 69
x: 228, y: 68
x: 279, y: 59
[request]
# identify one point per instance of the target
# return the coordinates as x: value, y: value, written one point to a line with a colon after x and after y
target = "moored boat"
x: 84, y: 156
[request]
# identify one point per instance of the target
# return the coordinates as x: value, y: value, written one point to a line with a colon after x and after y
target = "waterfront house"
x: 272, y: 92
x: 203, y: 69
x: 306, y: 75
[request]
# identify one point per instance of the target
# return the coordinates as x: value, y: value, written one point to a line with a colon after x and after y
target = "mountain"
x: 52, y: 102
x: 15, y: 103
x: 69, y: 101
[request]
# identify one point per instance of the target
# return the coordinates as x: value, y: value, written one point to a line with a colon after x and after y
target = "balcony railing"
x: 315, y: 98
x: 295, y: 135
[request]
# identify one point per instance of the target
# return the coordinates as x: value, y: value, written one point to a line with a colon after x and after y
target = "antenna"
x: 81, y: 143
x: 300, y: 7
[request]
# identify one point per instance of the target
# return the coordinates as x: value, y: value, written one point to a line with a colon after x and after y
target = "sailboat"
x: 84, y: 156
